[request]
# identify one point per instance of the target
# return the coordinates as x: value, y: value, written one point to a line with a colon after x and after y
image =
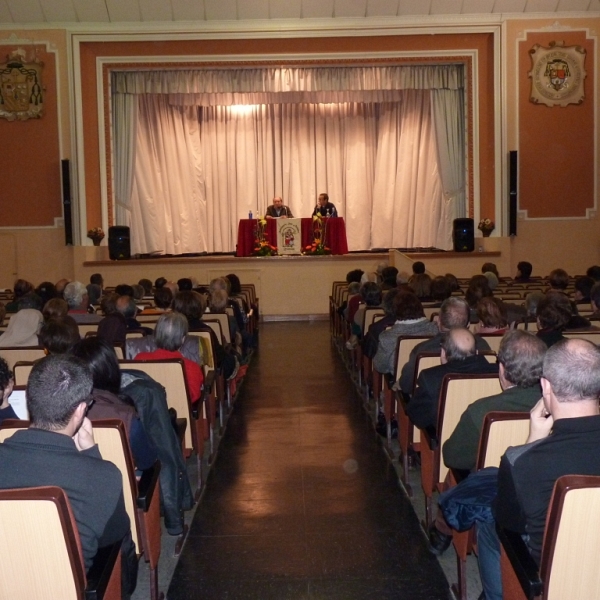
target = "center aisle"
x: 301, y: 502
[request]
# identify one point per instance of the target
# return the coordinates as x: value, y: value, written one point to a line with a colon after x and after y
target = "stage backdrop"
x: 195, y: 151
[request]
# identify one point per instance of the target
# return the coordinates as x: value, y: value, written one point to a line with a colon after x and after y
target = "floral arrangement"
x: 486, y: 226
x: 262, y: 247
x: 318, y: 246
x: 96, y: 234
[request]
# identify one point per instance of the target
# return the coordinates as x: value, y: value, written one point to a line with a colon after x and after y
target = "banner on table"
x: 289, y: 236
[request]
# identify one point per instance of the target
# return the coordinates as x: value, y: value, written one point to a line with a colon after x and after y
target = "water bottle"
x: 250, y: 215
x: 328, y: 213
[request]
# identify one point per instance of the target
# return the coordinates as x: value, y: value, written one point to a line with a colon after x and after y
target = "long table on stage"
x: 335, y: 237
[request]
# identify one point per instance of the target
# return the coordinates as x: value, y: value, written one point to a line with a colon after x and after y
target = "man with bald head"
x: 564, y: 437
x: 277, y: 210
x: 458, y: 355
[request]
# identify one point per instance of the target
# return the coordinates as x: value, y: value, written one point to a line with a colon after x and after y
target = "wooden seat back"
x: 40, y: 555
x: 15, y: 354
x: 501, y: 430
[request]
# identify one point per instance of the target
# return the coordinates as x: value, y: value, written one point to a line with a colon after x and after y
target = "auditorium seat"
x: 569, y: 563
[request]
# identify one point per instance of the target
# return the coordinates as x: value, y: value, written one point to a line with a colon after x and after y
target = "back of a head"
x: 479, y: 288
x: 184, y: 284
x: 97, y: 279
x: 236, y: 286
x: 459, y: 344
x: 554, y: 311
x: 56, y: 386
x: 170, y: 331
x: 421, y: 285
x: 46, y: 291
x: 124, y: 289
x: 138, y: 291
x: 6, y: 375
x: 453, y: 280
x: 440, y: 289
x: 126, y: 306
x: 408, y: 307
x: 219, y: 283
x: 147, y: 285
x: 58, y: 335
x: 489, y: 267
x: 525, y: 268
x: 558, y: 279
x: 522, y: 355
x: 108, y: 304
x: 389, y: 273
x: 531, y: 302
x: 492, y: 313
x: 594, y: 272
x: 74, y: 293
x: 22, y: 287
x: 388, y: 301
x: 94, y: 292
x: 354, y: 275
x: 454, y: 313
x: 163, y: 297
x: 370, y: 292
x: 584, y: 286
x: 218, y: 301
x: 190, y: 304
x: 572, y: 366
x: 353, y: 288
x: 492, y: 279
x: 159, y: 282
x: 101, y: 358
x: 56, y: 307
x: 418, y: 267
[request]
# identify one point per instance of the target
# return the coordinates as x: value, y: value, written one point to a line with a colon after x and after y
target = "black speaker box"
x: 463, y: 235
x: 119, y: 247
x: 513, y: 182
x: 65, y: 171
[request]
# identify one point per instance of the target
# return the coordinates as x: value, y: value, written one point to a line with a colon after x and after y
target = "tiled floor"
x: 302, y: 502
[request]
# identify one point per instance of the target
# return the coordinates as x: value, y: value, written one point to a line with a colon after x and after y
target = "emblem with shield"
x: 21, y: 96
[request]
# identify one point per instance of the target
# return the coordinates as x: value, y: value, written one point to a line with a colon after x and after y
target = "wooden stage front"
x: 289, y: 287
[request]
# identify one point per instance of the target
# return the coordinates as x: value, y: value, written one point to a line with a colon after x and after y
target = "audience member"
x: 491, y: 313
x: 454, y: 314
x: 564, y: 436
x: 410, y: 320
x: 147, y: 285
x: 370, y: 342
x: 97, y: 279
x: 30, y: 300
x: 479, y: 288
x: 440, y: 290
x: 169, y: 336
x: 60, y: 286
x: 418, y: 268
x: 492, y: 279
x: 454, y: 285
x: 59, y: 449
x: 22, y: 329
x: 94, y: 294
x: 57, y: 307
x: 524, y: 270
x: 558, y: 280
x: 388, y: 278
x: 184, y: 284
x: 46, y: 291
x: 594, y: 272
x: 553, y: 315
x: 138, y: 292
x: 520, y: 359
x: 370, y: 295
x: 108, y: 402
x: 6, y: 387
x: 159, y: 283
x: 20, y: 288
x: 595, y: 301
x: 583, y: 289
x: 124, y: 289
x: 58, y: 335
x: 76, y: 295
x: 458, y: 355
x: 420, y: 284
x: 489, y: 267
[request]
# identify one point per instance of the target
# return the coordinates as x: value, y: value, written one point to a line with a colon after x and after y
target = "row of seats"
x: 200, y: 426
x: 500, y: 431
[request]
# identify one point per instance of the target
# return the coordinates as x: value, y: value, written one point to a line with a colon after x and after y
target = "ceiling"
x: 19, y: 12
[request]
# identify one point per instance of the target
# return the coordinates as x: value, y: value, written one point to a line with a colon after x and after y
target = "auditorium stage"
x: 289, y: 287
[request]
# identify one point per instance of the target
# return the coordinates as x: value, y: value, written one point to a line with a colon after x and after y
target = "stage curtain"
x: 395, y: 169
x: 124, y: 114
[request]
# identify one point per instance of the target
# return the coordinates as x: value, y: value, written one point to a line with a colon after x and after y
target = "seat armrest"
x: 430, y: 435
x: 524, y: 566
x: 100, y: 572
x: 147, y: 485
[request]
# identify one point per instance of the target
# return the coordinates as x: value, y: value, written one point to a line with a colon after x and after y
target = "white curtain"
x: 124, y: 127
x: 394, y: 166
